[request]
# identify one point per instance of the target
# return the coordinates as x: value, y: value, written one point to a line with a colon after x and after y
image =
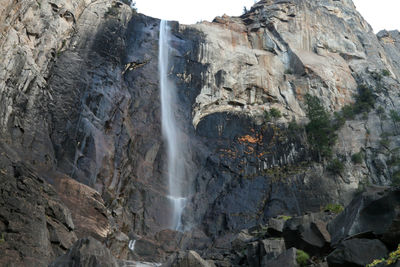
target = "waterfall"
x: 131, y: 245
x: 170, y: 130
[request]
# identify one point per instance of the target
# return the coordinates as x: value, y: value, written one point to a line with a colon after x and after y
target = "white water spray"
x: 131, y: 245
x: 170, y: 130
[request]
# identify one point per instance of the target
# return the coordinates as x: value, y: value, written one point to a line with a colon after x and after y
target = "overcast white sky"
x: 381, y: 14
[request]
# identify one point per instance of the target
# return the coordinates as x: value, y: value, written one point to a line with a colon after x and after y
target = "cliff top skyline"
x: 381, y: 15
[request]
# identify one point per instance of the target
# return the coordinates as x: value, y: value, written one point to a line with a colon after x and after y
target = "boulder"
x: 275, y: 226
x: 195, y: 239
x: 147, y: 249
x: 357, y: 252
x: 271, y: 248
x: 309, y: 233
x: 87, y: 207
x: 87, y: 252
x: 225, y: 242
x: 241, y: 240
x: 287, y: 259
x: 396, y: 264
x: 376, y: 211
x: 169, y: 240
x: 260, y: 252
x: 192, y: 259
x: 253, y: 254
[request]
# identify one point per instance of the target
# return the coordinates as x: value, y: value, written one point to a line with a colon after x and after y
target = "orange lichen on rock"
x: 250, y: 139
x: 262, y: 154
x: 250, y: 150
x: 228, y: 153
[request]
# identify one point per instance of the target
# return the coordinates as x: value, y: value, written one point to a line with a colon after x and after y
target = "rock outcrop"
x: 35, y: 226
x: 81, y: 145
x: 374, y: 212
x: 87, y: 208
x: 87, y: 252
x: 271, y: 57
x: 357, y: 252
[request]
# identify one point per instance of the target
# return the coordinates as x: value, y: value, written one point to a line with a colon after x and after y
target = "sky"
x: 381, y: 14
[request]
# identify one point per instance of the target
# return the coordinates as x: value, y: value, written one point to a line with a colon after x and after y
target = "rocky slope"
x: 80, y: 126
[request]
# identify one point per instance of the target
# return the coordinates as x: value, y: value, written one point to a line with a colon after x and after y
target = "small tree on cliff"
x: 320, y: 130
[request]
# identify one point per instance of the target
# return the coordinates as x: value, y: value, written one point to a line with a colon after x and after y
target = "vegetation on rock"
x: 320, y: 130
x: 112, y: 11
x: 357, y: 158
x: 273, y: 113
x: 336, y: 166
x: 365, y: 101
x: 385, y: 72
x: 284, y: 217
x: 302, y: 257
x: 396, y: 178
x: 335, y: 208
x: 393, y: 258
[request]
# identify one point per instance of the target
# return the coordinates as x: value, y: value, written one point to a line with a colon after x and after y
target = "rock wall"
x: 35, y: 225
x: 271, y: 57
x: 80, y: 108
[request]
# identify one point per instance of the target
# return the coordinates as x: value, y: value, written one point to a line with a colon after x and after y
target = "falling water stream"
x: 170, y: 130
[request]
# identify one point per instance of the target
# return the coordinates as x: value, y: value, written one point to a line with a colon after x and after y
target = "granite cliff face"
x: 80, y: 125
x: 271, y: 57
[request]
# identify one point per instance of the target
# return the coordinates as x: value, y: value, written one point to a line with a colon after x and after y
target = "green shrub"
x: 348, y: 112
x: 377, y: 76
x: 320, y: 130
x: 385, y: 72
x: 275, y: 113
x: 396, y: 178
x: 335, y: 208
x: 293, y: 127
x: 381, y: 112
x: 394, y: 257
x: 302, y: 257
x: 365, y: 100
x: 130, y: 3
x: 339, y: 120
x: 267, y: 116
x: 385, y: 142
x: 288, y: 71
x: 112, y: 11
x: 394, y: 160
x: 284, y: 217
x: 357, y: 158
x: 336, y: 166
x: 394, y: 115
